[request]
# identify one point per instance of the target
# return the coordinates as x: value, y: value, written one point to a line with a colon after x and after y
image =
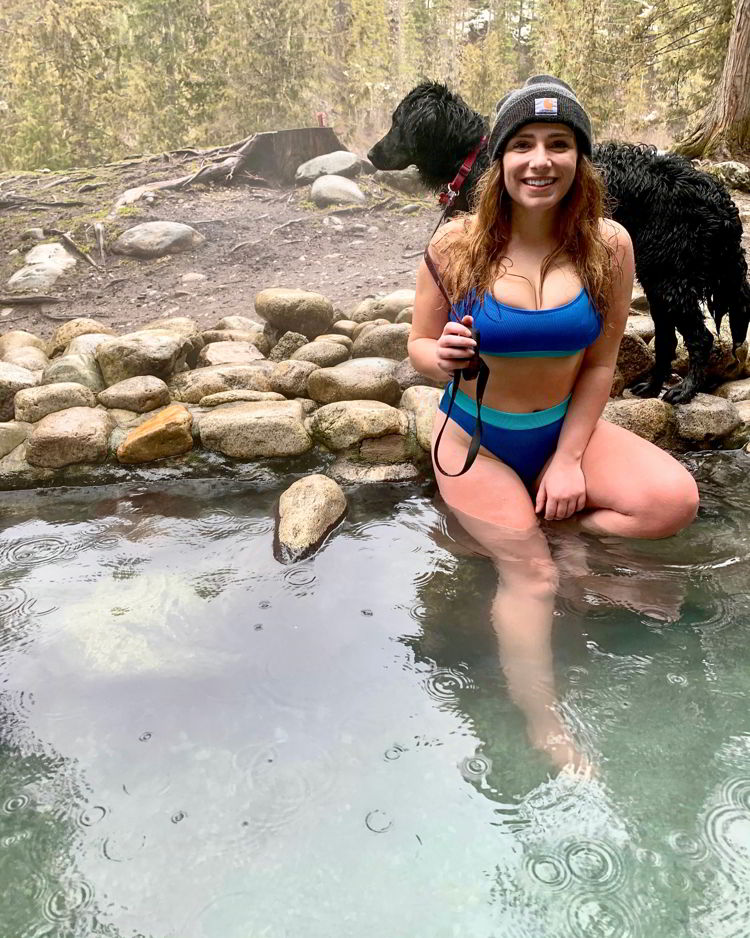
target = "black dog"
x: 685, y: 228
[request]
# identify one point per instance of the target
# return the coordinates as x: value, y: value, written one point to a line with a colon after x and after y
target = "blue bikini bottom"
x: 522, y: 441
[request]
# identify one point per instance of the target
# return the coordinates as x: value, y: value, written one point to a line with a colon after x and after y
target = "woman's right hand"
x: 455, y: 346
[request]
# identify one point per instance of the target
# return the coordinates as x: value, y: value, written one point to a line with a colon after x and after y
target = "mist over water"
x: 197, y: 741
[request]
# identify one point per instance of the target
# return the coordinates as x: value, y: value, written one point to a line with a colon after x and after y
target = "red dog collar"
x: 454, y: 187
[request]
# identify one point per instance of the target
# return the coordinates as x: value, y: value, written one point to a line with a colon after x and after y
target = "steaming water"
x: 199, y: 742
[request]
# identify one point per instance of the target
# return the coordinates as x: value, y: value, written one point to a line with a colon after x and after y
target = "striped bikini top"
x: 513, y: 332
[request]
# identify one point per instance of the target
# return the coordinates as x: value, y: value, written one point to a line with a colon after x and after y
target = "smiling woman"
x: 545, y: 280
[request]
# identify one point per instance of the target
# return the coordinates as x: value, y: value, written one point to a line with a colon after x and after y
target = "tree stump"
x: 276, y: 154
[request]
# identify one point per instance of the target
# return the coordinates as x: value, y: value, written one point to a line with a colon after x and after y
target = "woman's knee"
x: 536, y: 577
x: 672, y: 507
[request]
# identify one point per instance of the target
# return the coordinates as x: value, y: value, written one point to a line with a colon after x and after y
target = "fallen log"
x: 28, y: 299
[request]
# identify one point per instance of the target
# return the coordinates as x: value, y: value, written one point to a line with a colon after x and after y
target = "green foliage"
x: 87, y: 81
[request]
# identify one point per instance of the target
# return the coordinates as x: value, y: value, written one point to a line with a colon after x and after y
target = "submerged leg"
x: 494, y: 507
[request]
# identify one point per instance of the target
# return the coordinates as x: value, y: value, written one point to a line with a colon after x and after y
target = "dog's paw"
x: 649, y: 387
x: 681, y: 393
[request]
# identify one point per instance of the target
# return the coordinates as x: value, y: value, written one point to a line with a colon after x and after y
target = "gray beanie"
x: 542, y: 98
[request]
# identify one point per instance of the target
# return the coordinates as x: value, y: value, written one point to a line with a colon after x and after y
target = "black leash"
x: 476, y: 369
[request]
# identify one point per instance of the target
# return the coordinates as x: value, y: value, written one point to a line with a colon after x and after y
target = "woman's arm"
x: 437, y: 345
x: 562, y: 490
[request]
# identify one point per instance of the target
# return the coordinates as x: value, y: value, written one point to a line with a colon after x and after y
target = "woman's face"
x: 539, y: 164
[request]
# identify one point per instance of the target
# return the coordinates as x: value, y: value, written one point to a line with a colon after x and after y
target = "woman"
x: 547, y: 281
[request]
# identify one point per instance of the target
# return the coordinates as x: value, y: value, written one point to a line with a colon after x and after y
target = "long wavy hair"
x: 476, y: 255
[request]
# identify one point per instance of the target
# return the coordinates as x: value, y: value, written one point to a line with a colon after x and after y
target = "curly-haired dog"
x: 685, y: 228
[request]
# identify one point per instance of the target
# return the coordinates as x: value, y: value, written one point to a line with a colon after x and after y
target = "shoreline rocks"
x: 287, y: 380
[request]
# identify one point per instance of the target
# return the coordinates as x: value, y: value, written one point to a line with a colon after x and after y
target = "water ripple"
x: 63, y: 904
x: 548, y: 870
x: 596, y: 916
x: 221, y: 523
x: 594, y: 863
x: 33, y: 551
x: 475, y: 768
x: 444, y: 684
x: 11, y: 601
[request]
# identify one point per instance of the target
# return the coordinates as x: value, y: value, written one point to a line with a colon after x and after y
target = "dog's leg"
x: 699, y: 343
x: 665, y: 346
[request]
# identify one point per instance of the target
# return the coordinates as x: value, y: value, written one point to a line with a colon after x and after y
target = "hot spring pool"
x: 198, y: 742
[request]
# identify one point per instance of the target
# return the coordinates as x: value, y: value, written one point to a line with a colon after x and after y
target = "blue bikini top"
x: 513, y: 332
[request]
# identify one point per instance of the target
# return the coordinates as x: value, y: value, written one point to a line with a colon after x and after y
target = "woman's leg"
x: 494, y: 507
x: 633, y: 488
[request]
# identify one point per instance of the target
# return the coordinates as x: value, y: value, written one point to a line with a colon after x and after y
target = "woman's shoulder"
x: 451, y: 230
x: 616, y: 235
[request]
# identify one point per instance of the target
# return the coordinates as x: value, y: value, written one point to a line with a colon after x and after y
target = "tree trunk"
x: 724, y: 129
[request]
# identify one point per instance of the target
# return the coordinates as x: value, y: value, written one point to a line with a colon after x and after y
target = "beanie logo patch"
x: 545, y: 106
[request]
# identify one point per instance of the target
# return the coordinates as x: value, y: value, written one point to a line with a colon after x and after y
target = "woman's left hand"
x: 562, y: 490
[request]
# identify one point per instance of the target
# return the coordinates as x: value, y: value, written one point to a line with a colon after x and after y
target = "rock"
x: 287, y: 346
x: 739, y: 436
x: 405, y: 180
x: 392, y: 304
x: 77, y: 369
x: 345, y: 423
x: 618, y: 383
x: 127, y: 419
x: 383, y: 342
x: 231, y: 397
x: 358, y: 379
x: 86, y: 344
x: 19, y: 338
x: 642, y: 326
x: 346, y: 470
x: 193, y: 276
x: 70, y: 330
x: 44, y: 264
x: 410, y: 208
x: 157, y: 238
x: 638, y: 300
x: 408, y: 377
x: 15, y: 469
x: 635, y: 359
x: 12, y: 434
x: 247, y: 431
x: 422, y: 402
x: 405, y: 315
x: 366, y: 311
x: 76, y: 435
x: 364, y: 327
x: 323, y: 354
x: 13, y: 379
x: 393, y: 448
x: 308, y: 510
x: 290, y: 377
x: 336, y: 190
x: 27, y: 357
x: 344, y: 327
x: 706, y: 418
x: 732, y: 173
x: 295, y: 310
x: 192, y: 386
x: 32, y: 404
x: 147, y: 352
x: 229, y: 353
x: 337, y: 163
x: 258, y: 337
x: 184, y: 327
x: 651, y: 418
x: 242, y: 323
x: 734, y: 390
x: 165, y: 434
x: 140, y: 394
x: 723, y: 361
x: 333, y: 337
